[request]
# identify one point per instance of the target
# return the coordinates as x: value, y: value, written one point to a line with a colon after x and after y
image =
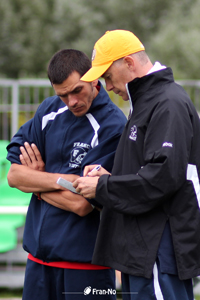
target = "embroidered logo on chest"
x: 133, y: 134
x: 78, y: 153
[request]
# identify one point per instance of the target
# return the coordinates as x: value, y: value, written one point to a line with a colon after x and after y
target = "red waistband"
x: 67, y: 265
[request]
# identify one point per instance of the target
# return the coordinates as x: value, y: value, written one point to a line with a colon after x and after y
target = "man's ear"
x: 94, y: 83
x: 129, y: 61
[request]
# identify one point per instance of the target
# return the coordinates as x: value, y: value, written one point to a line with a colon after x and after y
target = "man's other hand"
x: 30, y: 156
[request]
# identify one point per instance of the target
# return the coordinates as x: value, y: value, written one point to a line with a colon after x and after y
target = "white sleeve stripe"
x: 96, y: 127
x: 157, y: 288
x: 193, y: 176
x: 52, y: 116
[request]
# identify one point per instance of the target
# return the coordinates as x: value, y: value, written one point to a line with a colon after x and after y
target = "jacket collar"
x: 156, y: 67
x: 101, y: 99
x: 140, y: 86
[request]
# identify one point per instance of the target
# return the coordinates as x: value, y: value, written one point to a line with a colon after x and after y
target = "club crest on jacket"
x: 133, y: 135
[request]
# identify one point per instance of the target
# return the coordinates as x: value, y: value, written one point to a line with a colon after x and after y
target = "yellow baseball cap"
x: 112, y: 46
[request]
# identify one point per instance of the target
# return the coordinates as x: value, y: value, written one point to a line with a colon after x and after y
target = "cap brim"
x: 95, y: 72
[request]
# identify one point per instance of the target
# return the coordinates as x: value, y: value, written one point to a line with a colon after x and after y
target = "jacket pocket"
x: 136, y: 247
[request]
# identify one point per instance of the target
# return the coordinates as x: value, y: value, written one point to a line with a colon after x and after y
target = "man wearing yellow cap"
x: 151, y: 219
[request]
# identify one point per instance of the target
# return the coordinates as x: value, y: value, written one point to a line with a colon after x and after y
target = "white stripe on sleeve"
x: 96, y: 127
x: 193, y: 176
x: 52, y: 116
x: 157, y: 288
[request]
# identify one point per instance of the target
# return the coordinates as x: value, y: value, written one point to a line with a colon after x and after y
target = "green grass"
x: 197, y: 297
x: 9, y: 293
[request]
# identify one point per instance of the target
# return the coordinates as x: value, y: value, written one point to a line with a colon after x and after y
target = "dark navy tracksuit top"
x: 67, y: 144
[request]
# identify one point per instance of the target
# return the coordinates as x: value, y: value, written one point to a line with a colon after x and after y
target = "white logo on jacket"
x: 78, y: 153
x: 133, y: 135
x: 166, y: 144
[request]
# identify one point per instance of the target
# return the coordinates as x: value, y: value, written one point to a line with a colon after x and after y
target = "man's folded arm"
x: 69, y: 201
x: 33, y: 181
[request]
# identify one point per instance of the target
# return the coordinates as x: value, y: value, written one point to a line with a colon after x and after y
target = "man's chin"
x: 125, y: 97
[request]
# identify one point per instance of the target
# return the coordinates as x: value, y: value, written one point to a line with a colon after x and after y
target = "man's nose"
x: 109, y: 86
x: 72, y: 100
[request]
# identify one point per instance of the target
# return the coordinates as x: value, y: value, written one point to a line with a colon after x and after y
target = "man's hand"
x: 88, y: 169
x: 86, y: 186
x: 30, y: 176
x: 30, y: 156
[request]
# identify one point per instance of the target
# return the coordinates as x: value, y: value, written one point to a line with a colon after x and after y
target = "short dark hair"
x: 66, y: 61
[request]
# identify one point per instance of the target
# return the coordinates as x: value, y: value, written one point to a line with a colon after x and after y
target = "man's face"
x: 76, y: 94
x: 116, y: 78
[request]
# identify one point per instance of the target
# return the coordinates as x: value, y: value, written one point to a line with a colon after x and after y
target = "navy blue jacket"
x: 67, y: 144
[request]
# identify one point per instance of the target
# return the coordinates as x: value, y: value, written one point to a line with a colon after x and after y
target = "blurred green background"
x: 32, y: 31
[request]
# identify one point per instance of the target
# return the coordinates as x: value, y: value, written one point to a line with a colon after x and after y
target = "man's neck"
x: 96, y: 91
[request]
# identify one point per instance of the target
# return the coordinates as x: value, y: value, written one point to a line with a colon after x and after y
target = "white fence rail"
x: 19, y: 100
x: 13, y: 210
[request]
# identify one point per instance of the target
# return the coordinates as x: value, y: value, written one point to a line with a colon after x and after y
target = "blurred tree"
x: 21, y: 36
x: 32, y: 31
x: 177, y: 42
x: 140, y: 16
